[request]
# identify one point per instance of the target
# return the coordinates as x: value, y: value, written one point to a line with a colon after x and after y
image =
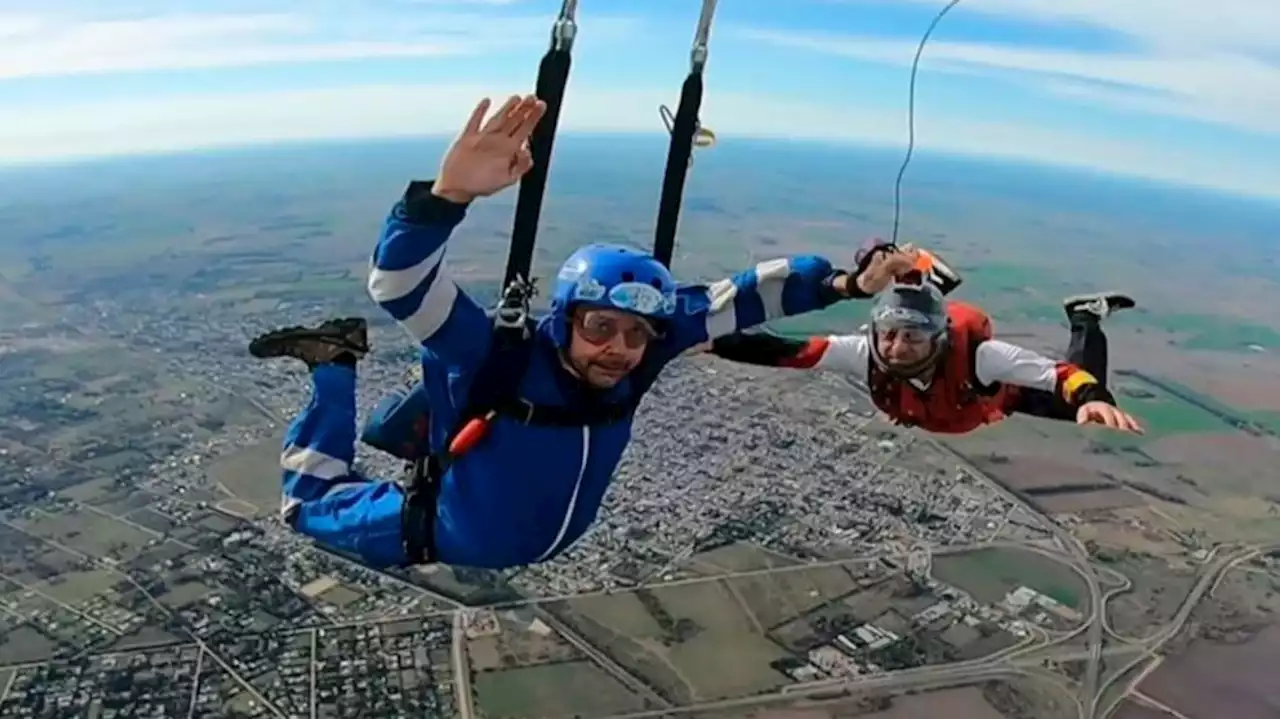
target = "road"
x: 1205, y: 584
x: 462, y: 666
x: 1026, y: 660
x: 923, y: 678
x: 1094, y: 623
x: 1093, y: 688
x: 1024, y: 663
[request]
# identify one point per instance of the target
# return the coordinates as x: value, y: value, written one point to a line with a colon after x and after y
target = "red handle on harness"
x: 471, y: 434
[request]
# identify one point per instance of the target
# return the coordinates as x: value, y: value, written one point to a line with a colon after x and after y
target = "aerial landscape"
x: 1014, y: 570
x: 772, y: 546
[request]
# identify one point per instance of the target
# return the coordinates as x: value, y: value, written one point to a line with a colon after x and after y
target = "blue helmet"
x: 611, y: 277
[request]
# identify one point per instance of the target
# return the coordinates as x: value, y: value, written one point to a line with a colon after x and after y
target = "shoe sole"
x: 269, y: 346
x: 1067, y: 302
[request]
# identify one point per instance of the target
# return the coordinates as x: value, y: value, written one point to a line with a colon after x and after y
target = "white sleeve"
x: 995, y: 361
x: 849, y: 354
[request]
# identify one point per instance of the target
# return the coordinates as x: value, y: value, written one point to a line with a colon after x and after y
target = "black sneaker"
x: 326, y: 342
x: 1099, y: 304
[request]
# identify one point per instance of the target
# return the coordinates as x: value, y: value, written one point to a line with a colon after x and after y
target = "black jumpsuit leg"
x: 1088, y: 345
x: 1087, y: 349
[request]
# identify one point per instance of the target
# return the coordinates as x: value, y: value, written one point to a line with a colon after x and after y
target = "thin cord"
x: 911, y: 119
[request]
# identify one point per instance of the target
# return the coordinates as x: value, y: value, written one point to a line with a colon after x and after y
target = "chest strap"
x: 526, y: 412
x: 428, y: 472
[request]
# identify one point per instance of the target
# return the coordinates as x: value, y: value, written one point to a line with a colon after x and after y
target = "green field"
x: 777, y: 598
x: 1270, y: 420
x: 1164, y: 414
x: 738, y: 557
x: 1015, y: 293
x: 563, y: 689
x: 1206, y: 332
x: 87, y: 533
x: 75, y: 588
x: 710, y: 640
x: 990, y: 574
x: 726, y: 656
x: 706, y: 647
x: 252, y: 475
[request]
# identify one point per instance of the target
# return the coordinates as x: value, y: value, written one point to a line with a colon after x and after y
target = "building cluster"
x: 386, y: 669
x: 1040, y: 608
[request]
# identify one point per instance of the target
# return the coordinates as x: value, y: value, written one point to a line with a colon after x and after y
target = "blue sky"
x: 1171, y: 89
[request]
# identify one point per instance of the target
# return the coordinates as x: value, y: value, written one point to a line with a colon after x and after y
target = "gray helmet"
x: 918, y: 307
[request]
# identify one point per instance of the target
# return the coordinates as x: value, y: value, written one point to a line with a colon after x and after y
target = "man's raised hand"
x: 490, y: 156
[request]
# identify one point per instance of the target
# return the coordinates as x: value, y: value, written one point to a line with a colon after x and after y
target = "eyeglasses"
x: 905, y: 335
x: 597, y: 328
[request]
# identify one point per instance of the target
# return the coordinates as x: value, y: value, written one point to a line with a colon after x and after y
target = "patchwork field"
x: 990, y: 574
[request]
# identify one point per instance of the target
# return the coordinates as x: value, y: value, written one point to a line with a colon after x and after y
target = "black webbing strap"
x: 680, y: 151
x: 526, y: 412
x: 553, y: 75
x: 511, y: 331
x: 418, y: 517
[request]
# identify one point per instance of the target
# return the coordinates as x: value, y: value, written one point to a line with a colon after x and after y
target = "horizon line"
x: 17, y: 166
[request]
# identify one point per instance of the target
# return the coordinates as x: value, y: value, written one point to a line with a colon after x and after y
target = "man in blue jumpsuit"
x: 527, y: 490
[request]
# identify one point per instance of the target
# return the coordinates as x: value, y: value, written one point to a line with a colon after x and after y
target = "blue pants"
x: 324, y: 497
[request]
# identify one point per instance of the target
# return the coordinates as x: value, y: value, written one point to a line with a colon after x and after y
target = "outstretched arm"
x: 1001, y: 362
x: 1077, y: 389
x: 410, y: 280
x: 769, y: 291
x: 780, y: 288
x: 838, y: 353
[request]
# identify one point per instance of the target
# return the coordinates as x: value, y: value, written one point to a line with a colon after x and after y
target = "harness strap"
x: 684, y: 126
x: 424, y: 488
x: 526, y: 412
x: 418, y: 519
x: 553, y: 76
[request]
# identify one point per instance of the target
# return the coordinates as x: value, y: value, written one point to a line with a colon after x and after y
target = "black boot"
x: 343, y: 341
x: 1099, y: 305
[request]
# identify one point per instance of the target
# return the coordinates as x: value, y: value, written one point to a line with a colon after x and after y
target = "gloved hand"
x: 884, y: 266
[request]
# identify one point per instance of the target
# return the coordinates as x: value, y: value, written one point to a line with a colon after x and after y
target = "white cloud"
x: 1173, y: 25
x: 74, y: 37
x: 1219, y: 62
x: 49, y: 48
x: 73, y: 43
x: 381, y: 110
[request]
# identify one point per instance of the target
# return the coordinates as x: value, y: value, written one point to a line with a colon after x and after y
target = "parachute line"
x: 553, y: 75
x: 684, y: 126
x: 911, y: 119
